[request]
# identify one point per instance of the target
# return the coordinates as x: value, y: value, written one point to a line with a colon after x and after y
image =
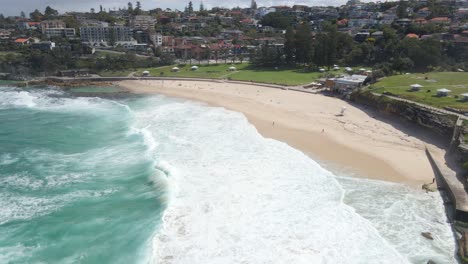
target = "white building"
x: 114, y: 34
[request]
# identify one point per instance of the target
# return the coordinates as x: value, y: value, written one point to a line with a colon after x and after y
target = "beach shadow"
x: 406, y: 126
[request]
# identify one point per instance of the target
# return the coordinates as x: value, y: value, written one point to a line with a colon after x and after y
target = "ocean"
x: 155, y: 179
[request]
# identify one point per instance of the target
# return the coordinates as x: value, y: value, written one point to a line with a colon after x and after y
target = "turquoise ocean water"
x: 160, y: 180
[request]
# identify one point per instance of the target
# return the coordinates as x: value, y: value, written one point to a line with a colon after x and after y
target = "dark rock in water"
x: 431, y: 262
x: 427, y: 235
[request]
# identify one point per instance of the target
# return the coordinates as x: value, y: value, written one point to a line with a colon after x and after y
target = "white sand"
x: 357, y: 141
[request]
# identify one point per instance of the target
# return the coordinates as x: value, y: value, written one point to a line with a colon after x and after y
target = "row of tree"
x: 387, y: 54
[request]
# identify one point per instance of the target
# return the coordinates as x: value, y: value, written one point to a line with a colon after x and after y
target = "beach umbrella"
x: 175, y: 69
x: 362, y: 69
x: 336, y: 68
x: 146, y: 73
x: 194, y: 68
x: 368, y: 71
x: 321, y: 70
x: 232, y: 68
x: 348, y: 69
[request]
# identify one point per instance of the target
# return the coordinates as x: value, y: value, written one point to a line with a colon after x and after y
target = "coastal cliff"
x: 439, y: 122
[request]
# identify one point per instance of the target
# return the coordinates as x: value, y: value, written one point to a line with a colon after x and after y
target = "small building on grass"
x: 443, y: 92
x: 464, y: 96
x: 415, y: 87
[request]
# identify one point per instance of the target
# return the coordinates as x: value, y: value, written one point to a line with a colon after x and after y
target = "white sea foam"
x: 240, y: 198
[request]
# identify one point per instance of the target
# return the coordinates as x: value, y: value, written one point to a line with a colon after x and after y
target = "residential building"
x: 462, y: 13
x: 60, y: 32
x: 113, y: 34
x: 23, y: 41
x: 51, y: 24
x: 156, y: 39
x: 43, y: 46
x: 143, y: 22
x: 5, y: 34
x: 440, y: 20
x: 423, y: 12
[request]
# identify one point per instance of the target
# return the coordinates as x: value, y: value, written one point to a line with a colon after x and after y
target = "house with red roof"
x: 440, y: 20
x: 412, y: 35
x: 23, y: 41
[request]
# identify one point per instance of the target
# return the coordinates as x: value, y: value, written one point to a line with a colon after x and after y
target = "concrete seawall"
x: 456, y: 193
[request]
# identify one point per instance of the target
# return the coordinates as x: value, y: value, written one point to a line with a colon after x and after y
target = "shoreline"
x: 310, y: 123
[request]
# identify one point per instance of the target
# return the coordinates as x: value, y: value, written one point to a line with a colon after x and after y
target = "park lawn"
x: 282, y: 76
x: 457, y: 82
x: 244, y: 72
x: 212, y: 71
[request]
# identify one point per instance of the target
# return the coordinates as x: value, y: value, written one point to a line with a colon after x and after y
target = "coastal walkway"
x: 133, y: 78
x: 440, y: 110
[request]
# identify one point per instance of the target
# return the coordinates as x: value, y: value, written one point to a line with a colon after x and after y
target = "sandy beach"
x: 357, y: 141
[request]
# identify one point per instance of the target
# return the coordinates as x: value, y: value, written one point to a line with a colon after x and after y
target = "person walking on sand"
x: 273, y: 123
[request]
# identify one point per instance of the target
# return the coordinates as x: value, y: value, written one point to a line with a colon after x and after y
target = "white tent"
x: 465, y: 96
x: 146, y: 73
x: 194, y: 68
x: 335, y: 68
x: 232, y: 68
x: 362, y: 69
x: 321, y: 70
x: 175, y: 69
x: 443, y: 92
x: 348, y: 69
x: 369, y: 71
x: 416, y: 87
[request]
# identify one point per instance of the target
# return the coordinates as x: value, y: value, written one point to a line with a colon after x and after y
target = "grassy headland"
x: 399, y: 85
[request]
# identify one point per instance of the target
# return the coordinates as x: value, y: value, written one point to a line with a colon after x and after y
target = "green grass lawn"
x: 244, y: 72
x: 204, y: 71
x: 457, y: 82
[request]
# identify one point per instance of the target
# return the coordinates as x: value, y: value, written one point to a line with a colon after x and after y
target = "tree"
x: 100, y: 8
x: 253, y: 4
x: 402, y: 9
x: 138, y: 8
x: 202, y: 8
x: 289, y: 47
x: 23, y: 15
x: 130, y: 8
x: 277, y: 20
x: 190, y: 7
x: 50, y: 12
x: 35, y: 15
x: 326, y: 46
x: 92, y: 10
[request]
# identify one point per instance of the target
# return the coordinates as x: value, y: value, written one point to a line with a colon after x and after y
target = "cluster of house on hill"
x: 143, y: 33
